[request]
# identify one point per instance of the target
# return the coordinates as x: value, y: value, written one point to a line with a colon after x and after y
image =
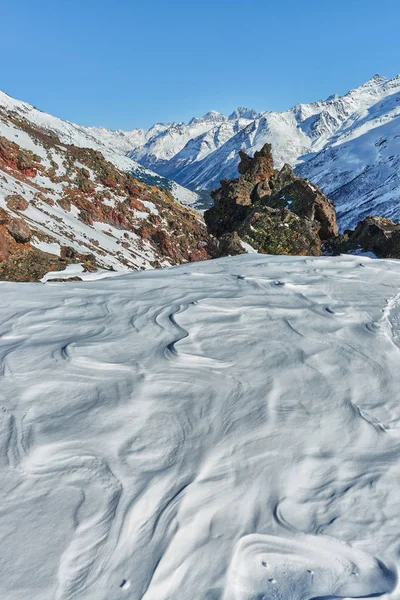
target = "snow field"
x: 225, y: 430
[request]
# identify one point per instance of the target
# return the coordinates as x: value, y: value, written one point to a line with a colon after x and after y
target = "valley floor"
x: 213, y: 431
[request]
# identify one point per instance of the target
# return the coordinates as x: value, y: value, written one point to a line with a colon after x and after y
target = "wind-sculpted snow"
x: 226, y: 430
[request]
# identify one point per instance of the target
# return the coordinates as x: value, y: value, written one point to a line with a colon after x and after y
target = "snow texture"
x: 226, y: 430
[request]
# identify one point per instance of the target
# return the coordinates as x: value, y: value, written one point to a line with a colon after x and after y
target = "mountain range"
x: 75, y: 190
x: 348, y: 145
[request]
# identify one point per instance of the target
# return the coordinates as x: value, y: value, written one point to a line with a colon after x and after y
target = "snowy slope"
x: 74, y: 202
x: 359, y: 168
x: 215, y: 431
x: 114, y: 145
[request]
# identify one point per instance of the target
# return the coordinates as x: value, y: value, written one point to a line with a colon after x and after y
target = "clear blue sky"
x: 130, y: 63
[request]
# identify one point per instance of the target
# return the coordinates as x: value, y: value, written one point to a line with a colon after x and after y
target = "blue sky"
x: 130, y: 63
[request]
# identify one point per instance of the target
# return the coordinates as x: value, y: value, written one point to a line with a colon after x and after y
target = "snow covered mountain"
x: 348, y: 145
x: 114, y: 145
x: 226, y: 430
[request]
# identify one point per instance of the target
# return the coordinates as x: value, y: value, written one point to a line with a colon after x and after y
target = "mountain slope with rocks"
x: 61, y: 204
x: 114, y: 145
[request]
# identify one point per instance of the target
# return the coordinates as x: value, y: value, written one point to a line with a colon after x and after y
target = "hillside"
x: 114, y: 145
x: 225, y: 430
x: 61, y: 203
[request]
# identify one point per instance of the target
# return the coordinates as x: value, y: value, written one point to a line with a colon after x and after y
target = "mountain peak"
x: 375, y: 81
x: 211, y: 116
x: 243, y: 113
x: 379, y: 78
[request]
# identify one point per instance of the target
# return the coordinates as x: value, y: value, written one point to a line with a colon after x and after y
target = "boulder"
x: 16, y: 202
x: 232, y: 204
x: 230, y: 245
x: 19, y: 230
x: 258, y: 168
x: 306, y: 200
x: 378, y: 235
x: 4, y: 216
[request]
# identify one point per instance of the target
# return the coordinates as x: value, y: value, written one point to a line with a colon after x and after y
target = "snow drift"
x: 226, y: 430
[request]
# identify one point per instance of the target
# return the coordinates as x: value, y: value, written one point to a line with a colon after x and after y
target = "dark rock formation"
x: 274, y: 211
x: 374, y: 234
x: 280, y: 231
x: 19, y: 230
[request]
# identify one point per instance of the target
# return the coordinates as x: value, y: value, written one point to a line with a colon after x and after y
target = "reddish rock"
x: 374, y: 234
x: 136, y: 204
x: 4, y: 216
x: 65, y: 203
x: 16, y: 202
x: 258, y: 168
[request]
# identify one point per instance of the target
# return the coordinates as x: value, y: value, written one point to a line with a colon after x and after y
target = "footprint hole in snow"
x: 264, y: 563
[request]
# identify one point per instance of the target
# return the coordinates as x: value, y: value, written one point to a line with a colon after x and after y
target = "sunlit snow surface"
x: 216, y: 431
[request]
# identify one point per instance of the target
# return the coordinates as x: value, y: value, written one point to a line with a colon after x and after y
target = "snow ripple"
x: 202, y: 432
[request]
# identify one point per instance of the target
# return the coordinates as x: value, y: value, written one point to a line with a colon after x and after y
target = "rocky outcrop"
x: 280, y: 231
x: 20, y: 261
x: 378, y: 235
x: 274, y: 211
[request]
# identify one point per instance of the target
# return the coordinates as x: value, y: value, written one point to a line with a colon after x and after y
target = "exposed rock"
x: 63, y: 279
x: 19, y: 159
x: 240, y: 206
x: 258, y: 168
x: 378, y: 235
x: 340, y: 244
x: 65, y: 203
x: 145, y: 226
x: 230, y: 245
x: 19, y: 230
x: 232, y: 204
x: 4, y: 216
x: 16, y: 202
x: 306, y: 200
x: 279, y: 231
x: 29, y: 264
